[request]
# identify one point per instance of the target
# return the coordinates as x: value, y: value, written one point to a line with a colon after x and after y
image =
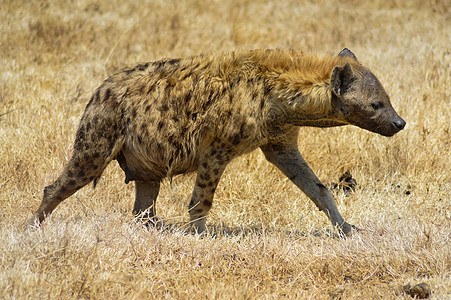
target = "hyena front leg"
x: 208, y: 176
x: 291, y: 163
x: 145, y: 198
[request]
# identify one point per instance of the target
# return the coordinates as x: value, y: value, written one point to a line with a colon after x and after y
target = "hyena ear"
x: 346, y: 53
x: 341, y: 79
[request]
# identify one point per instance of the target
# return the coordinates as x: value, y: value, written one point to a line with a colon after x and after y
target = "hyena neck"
x: 301, y: 83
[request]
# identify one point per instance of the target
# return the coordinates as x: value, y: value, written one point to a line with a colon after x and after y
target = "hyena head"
x: 362, y: 101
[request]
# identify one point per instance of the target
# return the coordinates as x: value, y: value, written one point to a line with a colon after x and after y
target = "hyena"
x: 196, y: 114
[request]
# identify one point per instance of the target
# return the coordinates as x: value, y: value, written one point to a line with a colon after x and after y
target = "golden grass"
x: 266, y: 239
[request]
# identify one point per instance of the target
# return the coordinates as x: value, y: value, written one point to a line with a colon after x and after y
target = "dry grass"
x: 266, y: 238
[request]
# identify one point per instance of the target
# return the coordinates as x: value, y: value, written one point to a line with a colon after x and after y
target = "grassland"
x: 266, y: 239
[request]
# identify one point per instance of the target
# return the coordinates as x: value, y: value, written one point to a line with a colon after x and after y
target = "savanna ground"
x: 266, y: 239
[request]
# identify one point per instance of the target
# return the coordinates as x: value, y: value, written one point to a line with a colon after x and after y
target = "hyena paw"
x: 198, y: 226
x: 32, y: 223
x: 346, y: 230
x: 155, y: 222
x: 150, y: 221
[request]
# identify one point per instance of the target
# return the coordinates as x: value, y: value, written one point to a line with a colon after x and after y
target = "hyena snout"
x: 385, y: 122
x: 396, y: 124
x: 393, y: 125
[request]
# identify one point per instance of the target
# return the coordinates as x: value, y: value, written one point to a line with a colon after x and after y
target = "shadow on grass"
x: 223, y: 230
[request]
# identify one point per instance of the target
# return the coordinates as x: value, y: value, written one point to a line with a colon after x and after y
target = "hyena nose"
x: 399, y: 124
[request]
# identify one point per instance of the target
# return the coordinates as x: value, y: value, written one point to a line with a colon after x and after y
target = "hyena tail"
x: 97, y: 143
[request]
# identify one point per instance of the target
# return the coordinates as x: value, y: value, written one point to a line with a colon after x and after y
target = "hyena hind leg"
x: 80, y: 170
x: 146, y: 194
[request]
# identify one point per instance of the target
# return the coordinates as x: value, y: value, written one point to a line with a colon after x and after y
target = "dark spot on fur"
x: 124, y: 95
x: 174, y: 61
x: 141, y: 67
x: 97, y: 95
x: 128, y: 71
x: 71, y: 182
x: 213, y: 152
x: 219, y: 157
x: 236, y: 139
x: 96, y: 155
x: 201, y: 185
x: 205, y: 165
x: 242, y: 130
x: 59, y: 198
x: 267, y: 89
x: 81, y: 133
x: 133, y: 112
x: 216, y: 171
x: 63, y: 189
x: 151, y: 88
x: 187, y: 97
x: 164, y: 108
x: 78, y: 145
x: 95, y: 120
x: 206, y: 176
x: 70, y: 174
x: 107, y: 94
x: 207, y: 203
x: 81, y: 174
x: 158, y: 64
x: 213, y: 190
x: 111, y: 145
x: 160, y: 125
x: 171, y: 139
x: 210, y: 183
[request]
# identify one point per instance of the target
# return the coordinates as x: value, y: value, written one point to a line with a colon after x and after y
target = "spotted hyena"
x: 196, y: 114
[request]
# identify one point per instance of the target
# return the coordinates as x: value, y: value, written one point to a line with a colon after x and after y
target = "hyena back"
x: 177, y: 116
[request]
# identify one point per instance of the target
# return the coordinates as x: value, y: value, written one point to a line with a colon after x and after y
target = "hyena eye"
x: 376, y: 105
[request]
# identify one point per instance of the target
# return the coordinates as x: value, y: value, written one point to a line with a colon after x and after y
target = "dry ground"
x: 266, y: 239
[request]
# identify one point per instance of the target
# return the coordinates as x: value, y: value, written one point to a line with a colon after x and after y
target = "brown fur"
x: 175, y: 116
